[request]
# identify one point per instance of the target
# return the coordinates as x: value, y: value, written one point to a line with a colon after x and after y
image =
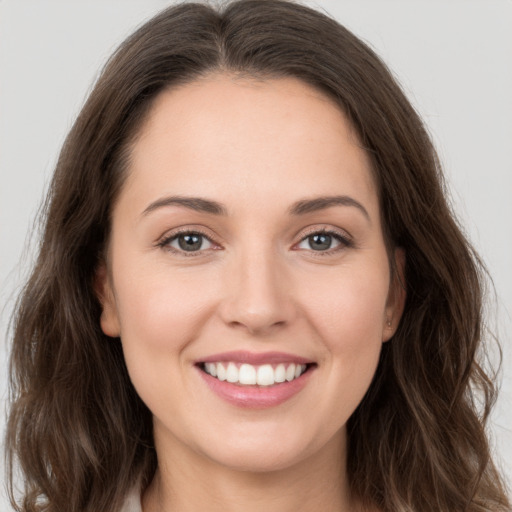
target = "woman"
x: 251, y: 293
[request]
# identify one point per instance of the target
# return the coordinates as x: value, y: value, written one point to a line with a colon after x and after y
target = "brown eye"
x: 191, y: 242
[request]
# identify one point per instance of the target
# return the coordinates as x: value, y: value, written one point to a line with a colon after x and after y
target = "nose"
x: 259, y: 297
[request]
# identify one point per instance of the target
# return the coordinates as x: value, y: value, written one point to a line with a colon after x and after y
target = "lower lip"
x: 256, y: 397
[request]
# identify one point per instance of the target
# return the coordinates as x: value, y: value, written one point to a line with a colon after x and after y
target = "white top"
x: 132, y: 503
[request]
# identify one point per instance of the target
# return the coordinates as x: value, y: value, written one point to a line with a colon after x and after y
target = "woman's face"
x: 247, y: 249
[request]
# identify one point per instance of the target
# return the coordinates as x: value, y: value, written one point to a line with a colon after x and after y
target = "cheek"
x: 349, y: 321
x: 160, y: 309
x: 160, y: 315
x: 350, y: 311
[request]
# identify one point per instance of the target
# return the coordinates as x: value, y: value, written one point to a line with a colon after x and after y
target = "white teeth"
x: 211, y: 368
x: 280, y: 373
x: 265, y: 376
x: 249, y: 375
x: 290, y: 372
x: 221, y: 372
x: 232, y: 373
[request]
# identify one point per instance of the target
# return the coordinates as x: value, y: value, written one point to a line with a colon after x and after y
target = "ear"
x: 396, y: 297
x: 109, y: 320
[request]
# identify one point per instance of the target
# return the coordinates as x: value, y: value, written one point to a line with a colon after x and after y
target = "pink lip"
x: 241, y: 356
x: 256, y: 397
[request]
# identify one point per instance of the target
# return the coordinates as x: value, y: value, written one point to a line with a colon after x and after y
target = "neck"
x: 191, y: 484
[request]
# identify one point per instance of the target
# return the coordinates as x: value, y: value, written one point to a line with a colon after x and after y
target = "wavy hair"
x: 77, y: 429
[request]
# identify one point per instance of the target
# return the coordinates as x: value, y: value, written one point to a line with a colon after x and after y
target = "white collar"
x: 132, y: 502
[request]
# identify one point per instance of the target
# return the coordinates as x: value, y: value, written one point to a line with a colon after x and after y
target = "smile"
x: 250, y: 375
x: 248, y: 380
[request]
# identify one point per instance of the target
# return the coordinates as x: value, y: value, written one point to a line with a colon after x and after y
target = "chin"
x: 262, y: 453
x: 259, y: 461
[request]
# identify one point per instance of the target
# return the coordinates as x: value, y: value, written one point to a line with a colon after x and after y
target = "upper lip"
x: 241, y: 356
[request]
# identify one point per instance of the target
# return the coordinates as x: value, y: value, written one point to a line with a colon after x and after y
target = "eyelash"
x: 344, y: 240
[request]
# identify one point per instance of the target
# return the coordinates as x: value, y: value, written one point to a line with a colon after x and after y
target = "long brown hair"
x: 77, y: 429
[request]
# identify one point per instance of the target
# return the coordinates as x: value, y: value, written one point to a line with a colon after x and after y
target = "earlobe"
x: 109, y: 320
x: 396, y: 297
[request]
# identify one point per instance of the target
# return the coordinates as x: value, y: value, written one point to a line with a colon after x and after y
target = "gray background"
x: 453, y: 57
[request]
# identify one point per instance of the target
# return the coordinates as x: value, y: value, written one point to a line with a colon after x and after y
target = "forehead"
x: 252, y: 135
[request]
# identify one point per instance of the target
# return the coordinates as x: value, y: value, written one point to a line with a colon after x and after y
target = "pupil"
x: 189, y: 242
x: 321, y: 241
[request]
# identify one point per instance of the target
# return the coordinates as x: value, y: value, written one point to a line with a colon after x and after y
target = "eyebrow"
x: 320, y: 203
x: 193, y: 203
x: 301, y: 207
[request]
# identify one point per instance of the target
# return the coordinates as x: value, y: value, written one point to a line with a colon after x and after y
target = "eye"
x: 325, y: 241
x: 194, y: 243
x: 187, y: 243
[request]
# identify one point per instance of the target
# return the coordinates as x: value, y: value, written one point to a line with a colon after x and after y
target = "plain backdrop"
x: 453, y: 58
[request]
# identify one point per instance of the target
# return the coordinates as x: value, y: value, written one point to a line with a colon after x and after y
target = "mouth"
x: 246, y: 374
x: 250, y: 380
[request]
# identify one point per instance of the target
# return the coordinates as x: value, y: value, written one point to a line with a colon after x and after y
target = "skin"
x: 259, y: 285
